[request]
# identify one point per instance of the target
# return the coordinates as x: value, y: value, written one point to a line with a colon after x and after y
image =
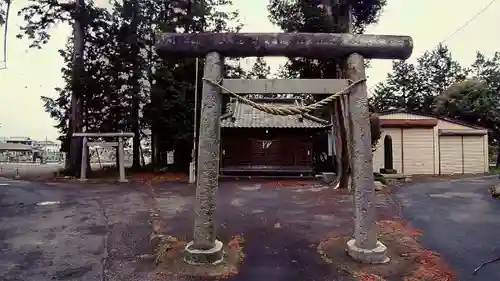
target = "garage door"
x: 450, y: 152
x: 418, y: 151
x: 461, y: 154
x: 473, y: 154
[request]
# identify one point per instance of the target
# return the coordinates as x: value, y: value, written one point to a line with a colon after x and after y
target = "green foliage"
x: 380, y: 178
x: 40, y: 16
x: 168, y: 100
x: 487, y: 70
x: 4, y: 9
x: 414, y: 87
x: 309, y: 16
x: 472, y: 101
x: 260, y: 69
x: 375, y: 129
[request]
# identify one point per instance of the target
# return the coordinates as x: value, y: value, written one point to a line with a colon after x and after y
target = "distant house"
x: 255, y: 142
x: 13, y: 147
x: 20, y: 140
x: 21, y: 149
x: 427, y: 144
x: 15, y: 152
x: 48, y: 146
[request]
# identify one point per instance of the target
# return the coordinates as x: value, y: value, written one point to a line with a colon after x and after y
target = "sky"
x: 33, y: 73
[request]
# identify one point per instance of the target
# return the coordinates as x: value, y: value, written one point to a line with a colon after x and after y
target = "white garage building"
x: 424, y: 144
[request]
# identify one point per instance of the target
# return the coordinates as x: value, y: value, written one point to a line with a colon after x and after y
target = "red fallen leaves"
x: 289, y: 183
x: 370, y: 277
x: 431, y: 267
x: 236, y: 242
x: 418, y: 263
x: 152, y: 178
x: 387, y: 226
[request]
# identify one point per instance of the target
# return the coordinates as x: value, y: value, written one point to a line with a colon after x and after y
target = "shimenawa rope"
x: 285, y: 111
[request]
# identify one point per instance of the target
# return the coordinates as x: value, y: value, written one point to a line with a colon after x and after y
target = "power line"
x: 469, y: 21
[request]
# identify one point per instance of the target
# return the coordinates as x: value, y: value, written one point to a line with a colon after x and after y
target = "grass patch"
x: 494, y: 170
x: 380, y: 178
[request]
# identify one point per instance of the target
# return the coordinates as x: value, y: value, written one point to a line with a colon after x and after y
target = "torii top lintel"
x: 310, y: 45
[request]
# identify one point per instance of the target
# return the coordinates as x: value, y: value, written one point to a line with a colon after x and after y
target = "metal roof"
x: 240, y: 115
x: 15, y: 147
x: 431, y: 115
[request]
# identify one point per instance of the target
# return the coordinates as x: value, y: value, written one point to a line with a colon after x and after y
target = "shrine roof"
x: 241, y: 115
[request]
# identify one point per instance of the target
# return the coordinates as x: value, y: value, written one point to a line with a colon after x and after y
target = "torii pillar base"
x: 204, y: 257
x: 378, y: 255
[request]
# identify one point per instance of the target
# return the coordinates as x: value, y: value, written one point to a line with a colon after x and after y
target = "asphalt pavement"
x: 76, y: 232
x: 61, y: 232
x: 460, y: 220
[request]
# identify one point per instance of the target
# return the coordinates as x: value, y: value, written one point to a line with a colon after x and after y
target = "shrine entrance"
x: 347, y: 97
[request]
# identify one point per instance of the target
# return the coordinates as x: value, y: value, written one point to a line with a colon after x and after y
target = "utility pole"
x: 192, y: 165
x: 194, y: 152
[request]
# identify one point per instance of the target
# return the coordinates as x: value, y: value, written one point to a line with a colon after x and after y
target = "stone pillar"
x: 388, y: 156
x: 121, y: 161
x: 83, y: 168
x: 388, y: 153
x: 364, y: 247
x: 205, y: 249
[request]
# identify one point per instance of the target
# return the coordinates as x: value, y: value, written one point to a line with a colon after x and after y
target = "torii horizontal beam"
x: 285, y: 86
x: 116, y: 134
x: 312, y: 45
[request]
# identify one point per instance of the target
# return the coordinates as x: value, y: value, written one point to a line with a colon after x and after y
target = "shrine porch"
x: 265, y: 171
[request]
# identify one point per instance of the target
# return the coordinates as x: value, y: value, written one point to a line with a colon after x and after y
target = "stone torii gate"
x: 364, y: 247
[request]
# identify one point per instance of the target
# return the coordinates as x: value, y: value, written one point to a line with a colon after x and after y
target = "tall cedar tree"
x: 260, y: 70
x: 116, y: 71
x: 309, y: 16
x: 40, y: 16
x: 168, y: 103
x: 313, y: 17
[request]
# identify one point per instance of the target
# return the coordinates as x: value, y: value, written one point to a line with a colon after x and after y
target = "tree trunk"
x: 136, y: 90
x: 89, y: 163
x: 337, y: 163
x: 340, y: 23
x: 117, y: 158
x: 344, y: 25
x: 154, y: 149
x: 136, y: 144
x: 151, y: 64
x: 344, y: 156
x: 497, y: 165
x: 75, y: 151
